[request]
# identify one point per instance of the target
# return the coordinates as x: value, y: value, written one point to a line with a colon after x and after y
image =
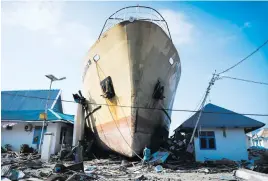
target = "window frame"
x: 207, y: 138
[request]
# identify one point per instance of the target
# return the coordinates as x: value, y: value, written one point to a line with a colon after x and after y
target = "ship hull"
x: 136, y: 55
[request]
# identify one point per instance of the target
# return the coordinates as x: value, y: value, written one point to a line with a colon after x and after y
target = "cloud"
x: 182, y: 30
x: 33, y: 16
x: 73, y: 34
x: 47, y: 18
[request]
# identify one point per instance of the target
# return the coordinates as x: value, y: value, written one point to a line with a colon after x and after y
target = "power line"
x: 250, y: 81
x: 138, y: 107
x: 245, y: 58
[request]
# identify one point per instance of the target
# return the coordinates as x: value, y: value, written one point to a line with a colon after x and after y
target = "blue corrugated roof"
x: 229, y: 119
x: 22, y: 100
x: 27, y: 105
x: 33, y: 115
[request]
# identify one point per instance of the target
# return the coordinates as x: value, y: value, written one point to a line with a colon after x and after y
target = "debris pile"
x: 14, y: 165
x: 170, y: 162
x: 259, y: 157
x: 26, y: 149
x: 161, y: 166
x: 176, y: 145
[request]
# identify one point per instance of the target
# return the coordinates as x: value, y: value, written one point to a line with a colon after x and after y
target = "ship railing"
x: 132, y: 13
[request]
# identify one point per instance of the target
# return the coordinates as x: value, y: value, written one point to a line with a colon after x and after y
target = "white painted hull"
x: 135, y: 55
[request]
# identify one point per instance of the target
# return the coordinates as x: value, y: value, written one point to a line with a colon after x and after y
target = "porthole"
x: 96, y: 57
x: 171, y: 61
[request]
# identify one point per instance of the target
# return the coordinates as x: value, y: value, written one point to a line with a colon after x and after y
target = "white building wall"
x: 260, y: 142
x: 55, y: 128
x: 265, y: 143
x: 232, y: 147
x: 18, y: 136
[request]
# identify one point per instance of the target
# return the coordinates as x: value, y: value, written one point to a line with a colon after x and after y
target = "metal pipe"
x: 51, y: 78
x: 45, y: 119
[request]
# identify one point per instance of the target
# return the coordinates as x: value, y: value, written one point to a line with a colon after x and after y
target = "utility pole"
x: 211, y: 83
x: 52, y: 79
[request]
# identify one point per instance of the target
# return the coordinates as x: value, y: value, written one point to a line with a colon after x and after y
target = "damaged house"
x: 21, y: 123
x: 261, y: 138
x: 219, y: 136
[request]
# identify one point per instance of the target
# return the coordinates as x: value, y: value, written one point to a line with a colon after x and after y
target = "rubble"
x: 117, y: 168
x: 171, y: 162
x: 26, y: 149
x: 139, y: 177
x: 259, y: 157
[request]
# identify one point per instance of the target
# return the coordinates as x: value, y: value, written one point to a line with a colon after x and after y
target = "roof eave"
x: 247, y: 129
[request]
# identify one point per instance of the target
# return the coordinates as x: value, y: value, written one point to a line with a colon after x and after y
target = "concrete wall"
x: 55, y: 128
x: 233, y: 146
x: 18, y: 136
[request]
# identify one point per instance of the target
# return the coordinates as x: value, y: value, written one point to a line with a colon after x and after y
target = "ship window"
x: 96, y: 57
x: 171, y: 61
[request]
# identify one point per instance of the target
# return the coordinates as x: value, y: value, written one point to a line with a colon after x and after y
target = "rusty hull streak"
x: 135, y: 55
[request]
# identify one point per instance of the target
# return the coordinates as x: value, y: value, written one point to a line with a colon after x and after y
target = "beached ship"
x: 132, y: 70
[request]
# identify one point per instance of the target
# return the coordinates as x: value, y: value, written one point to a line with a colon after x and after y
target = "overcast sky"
x: 41, y: 38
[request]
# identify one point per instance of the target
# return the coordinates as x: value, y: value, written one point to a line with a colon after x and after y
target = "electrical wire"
x: 136, y: 107
x: 197, y: 107
x: 97, y: 68
x: 244, y: 58
x: 116, y: 123
x: 250, y: 81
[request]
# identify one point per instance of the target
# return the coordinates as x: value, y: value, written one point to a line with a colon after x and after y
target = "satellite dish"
x: 131, y: 19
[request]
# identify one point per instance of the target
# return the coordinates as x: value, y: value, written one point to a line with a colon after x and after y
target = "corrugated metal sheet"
x: 27, y: 99
x: 58, y: 106
x: 229, y: 119
x: 27, y: 105
x: 33, y: 115
x: 66, y: 116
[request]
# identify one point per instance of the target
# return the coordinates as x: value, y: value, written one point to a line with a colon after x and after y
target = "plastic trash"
x: 158, y: 168
x: 90, y: 169
x: 16, y: 174
x: 159, y: 157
